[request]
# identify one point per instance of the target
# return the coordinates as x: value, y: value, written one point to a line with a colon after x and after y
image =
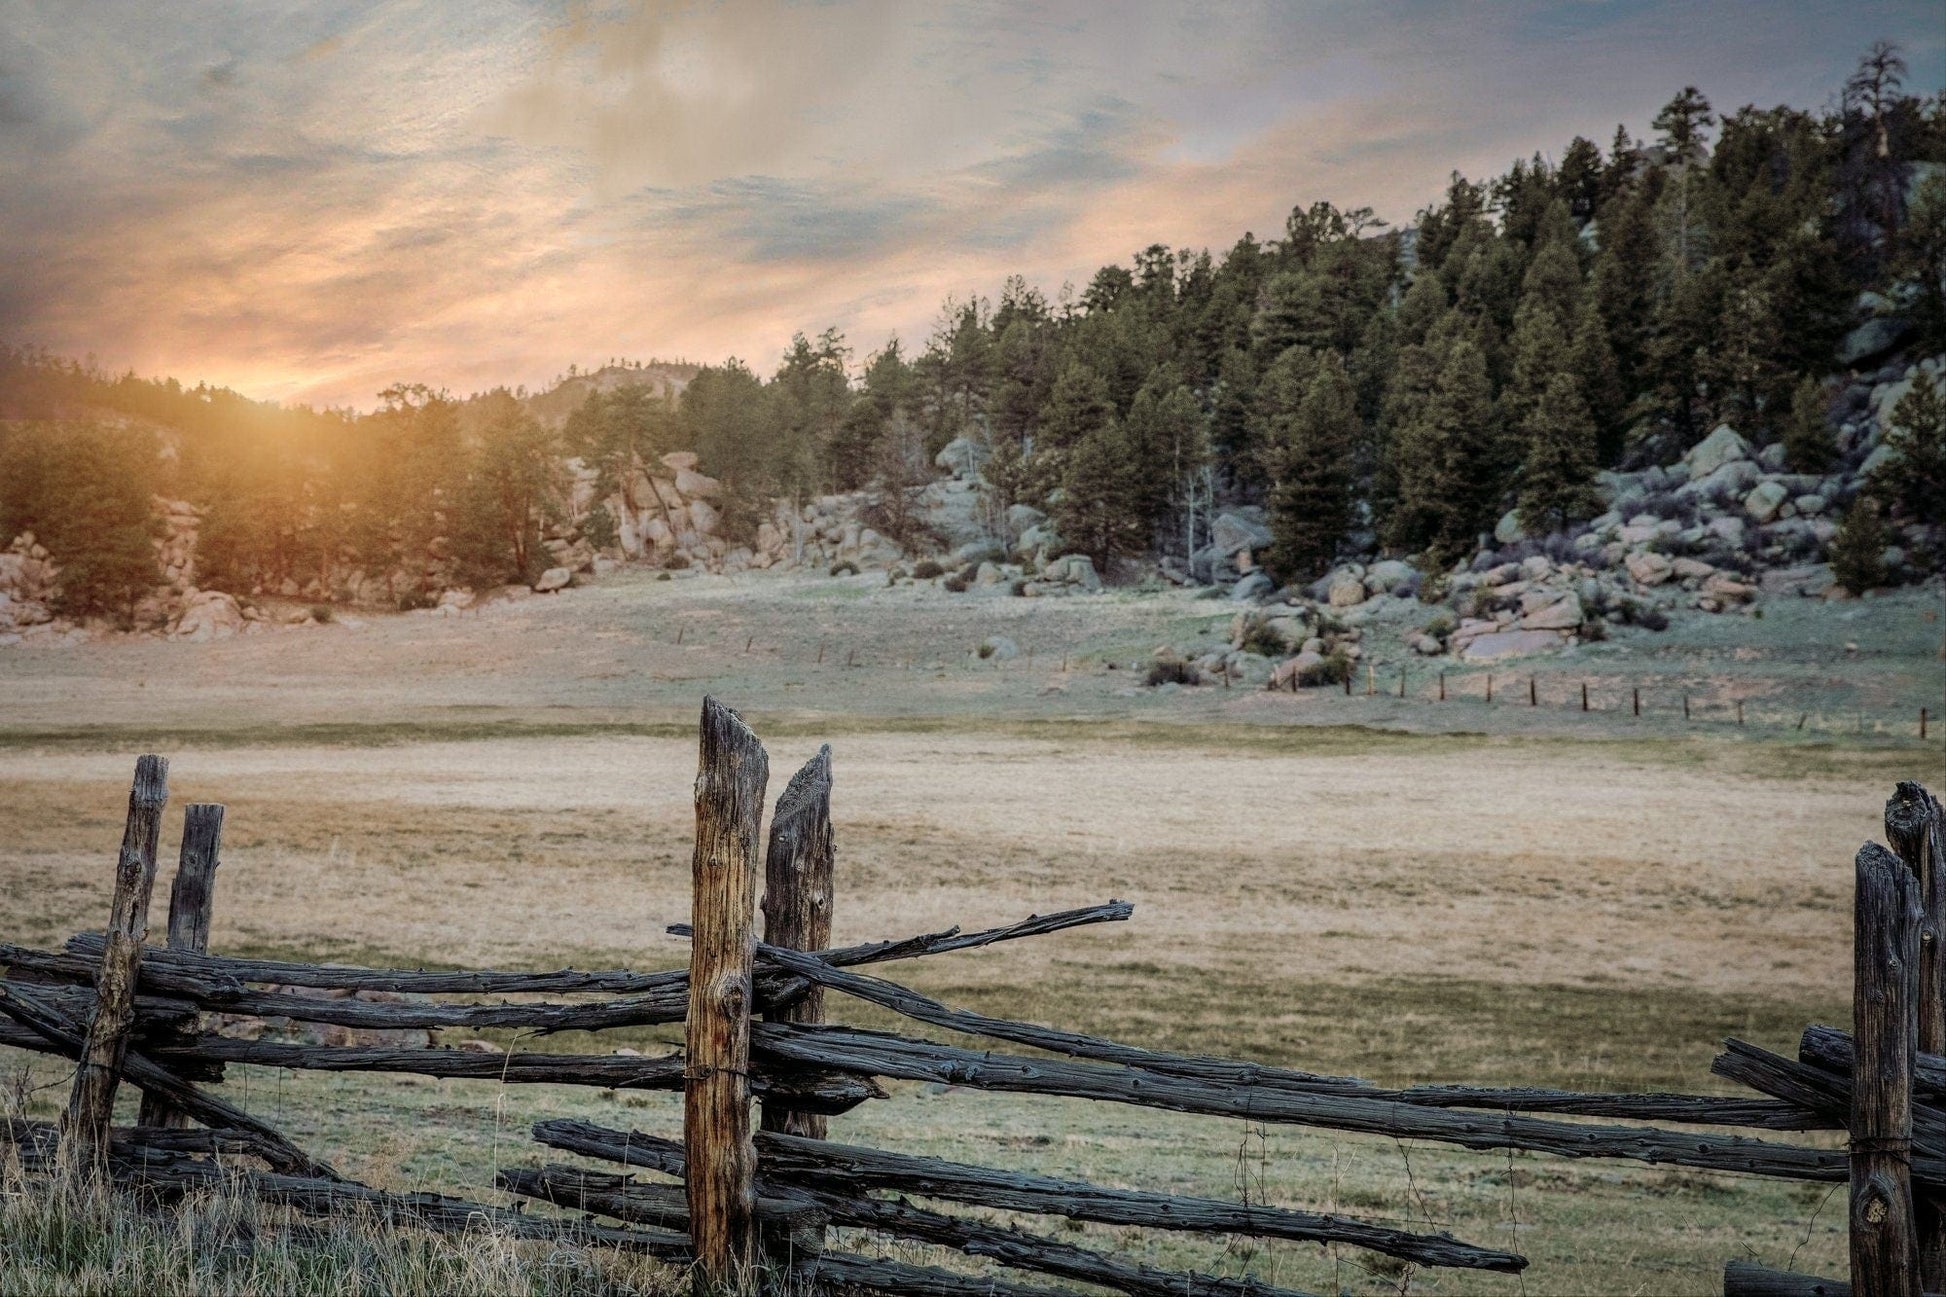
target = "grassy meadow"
x: 1364, y: 885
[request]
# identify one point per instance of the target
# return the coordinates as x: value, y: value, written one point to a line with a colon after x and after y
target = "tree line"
x: 1369, y: 386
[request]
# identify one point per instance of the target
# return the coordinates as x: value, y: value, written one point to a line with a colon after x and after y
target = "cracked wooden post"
x: 1884, y: 1004
x: 797, y: 903
x: 91, y: 1103
x: 1914, y: 829
x: 731, y: 775
x: 797, y: 916
x: 191, y: 897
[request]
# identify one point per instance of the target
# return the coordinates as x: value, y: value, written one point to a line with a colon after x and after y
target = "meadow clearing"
x: 1354, y: 885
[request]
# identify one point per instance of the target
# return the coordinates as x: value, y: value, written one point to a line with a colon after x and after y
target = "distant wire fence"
x: 1551, y: 690
x: 757, y: 1183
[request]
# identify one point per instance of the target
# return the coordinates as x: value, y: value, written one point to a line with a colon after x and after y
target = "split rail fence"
x: 758, y: 1182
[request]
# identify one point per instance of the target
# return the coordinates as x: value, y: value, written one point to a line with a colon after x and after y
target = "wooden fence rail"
x: 754, y: 1205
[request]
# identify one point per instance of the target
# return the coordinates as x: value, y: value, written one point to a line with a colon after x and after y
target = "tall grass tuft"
x: 58, y: 1239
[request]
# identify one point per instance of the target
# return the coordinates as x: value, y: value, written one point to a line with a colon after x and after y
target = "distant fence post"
x: 732, y: 771
x: 91, y: 1103
x: 191, y: 897
x: 1913, y: 827
x: 1884, y: 1262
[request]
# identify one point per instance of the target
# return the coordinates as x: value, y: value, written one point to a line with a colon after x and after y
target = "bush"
x: 1334, y: 670
x: 927, y: 570
x: 414, y: 599
x: 1441, y: 624
x: 321, y: 613
x: 599, y: 528
x: 1260, y: 639
x: 1172, y: 671
x: 954, y: 585
x: 844, y: 567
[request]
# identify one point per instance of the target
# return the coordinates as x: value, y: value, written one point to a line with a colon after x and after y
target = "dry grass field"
x: 1517, y: 896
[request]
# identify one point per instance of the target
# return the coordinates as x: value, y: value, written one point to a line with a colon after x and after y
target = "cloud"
x: 359, y: 193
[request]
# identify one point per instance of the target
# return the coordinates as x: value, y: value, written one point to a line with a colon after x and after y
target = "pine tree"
x: 1099, y: 509
x: 1808, y: 445
x: 1592, y: 362
x: 1913, y: 479
x: 1310, y: 499
x: 1858, y: 550
x: 83, y: 490
x: 1540, y: 352
x: 1447, y: 461
x: 1557, y: 475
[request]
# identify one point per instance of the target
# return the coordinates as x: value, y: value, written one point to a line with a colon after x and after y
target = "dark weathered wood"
x: 874, y: 1053
x: 732, y: 770
x: 1703, y: 1109
x: 837, y: 1272
x: 1809, y: 1087
x: 1884, y: 1258
x: 1743, y: 1279
x: 1830, y: 1049
x: 828, y: 1094
x: 1913, y: 828
x: 665, y: 1206
x: 215, y: 980
x: 1008, y: 1246
x: 191, y: 897
x: 797, y: 902
x: 63, y: 1036
x: 791, y: 1160
x: 98, y: 1065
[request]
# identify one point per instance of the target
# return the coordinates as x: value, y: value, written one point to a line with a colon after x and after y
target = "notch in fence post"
x: 1884, y: 1261
x: 1915, y: 827
x: 91, y: 1103
x: 191, y: 897
x: 731, y: 774
x: 1442, y: 686
x: 1584, y: 695
x: 1635, y: 700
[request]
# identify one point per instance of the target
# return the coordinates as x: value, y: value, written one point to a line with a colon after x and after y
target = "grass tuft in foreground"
x: 58, y: 1239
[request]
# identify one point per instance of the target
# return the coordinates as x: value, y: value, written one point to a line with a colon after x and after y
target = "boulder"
x: 1022, y: 518
x: 989, y: 574
x: 1563, y: 613
x: 1074, y: 569
x: 1234, y: 532
x: 1508, y: 530
x: 1691, y: 569
x: 1712, y: 452
x: 1728, y: 529
x: 1388, y: 575
x: 209, y: 615
x: 1727, y: 588
x: 978, y: 551
x: 1509, y: 643
x: 1254, y: 586
x: 962, y: 457
x: 1722, y: 482
x: 997, y: 648
x: 1881, y: 455
x: 680, y: 461
x: 704, y: 517
x: 555, y: 578
x: 1764, y: 500
x: 697, y: 486
x: 1810, y: 505
x: 1646, y: 567
x: 1872, y: 339
x: 1347, y: 592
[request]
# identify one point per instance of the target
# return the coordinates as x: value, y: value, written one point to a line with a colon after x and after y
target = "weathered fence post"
x: 797, y: 902
x: 1884, y: 1000
x: 1913, y: 828
x: 731, y: 774
x: 91, y: 1104
x: 191, y: 897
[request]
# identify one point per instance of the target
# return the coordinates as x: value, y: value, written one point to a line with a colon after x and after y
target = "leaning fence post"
x: 191, y: 897
x: 1913, y: 827
x: 731, y: 773
x: 1884, y: 998
x: 797, y: 903
x: 91, y: 1103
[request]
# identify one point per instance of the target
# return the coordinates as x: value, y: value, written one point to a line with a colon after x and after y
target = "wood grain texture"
x: 731, y: 774
x: 1913, y: 828
x: 798, y: 862
x: 98, y: 1066
x: 191, y: 898
x: 1885, y: 990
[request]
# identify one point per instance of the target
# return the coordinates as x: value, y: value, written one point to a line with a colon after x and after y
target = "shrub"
x: 844, y: 567
x: 954, y: 585
x: 1442, y: 624
x: 1172, y: 671
x: 322, y: 613
x: 1260, y: 639
x: 413, y: 599
x: 1335, y: 669
x: 599, y: 528
x: 927, y: 570
x: 83, y: 490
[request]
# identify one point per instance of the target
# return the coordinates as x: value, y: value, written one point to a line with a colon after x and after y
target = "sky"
x: 312, y: 201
